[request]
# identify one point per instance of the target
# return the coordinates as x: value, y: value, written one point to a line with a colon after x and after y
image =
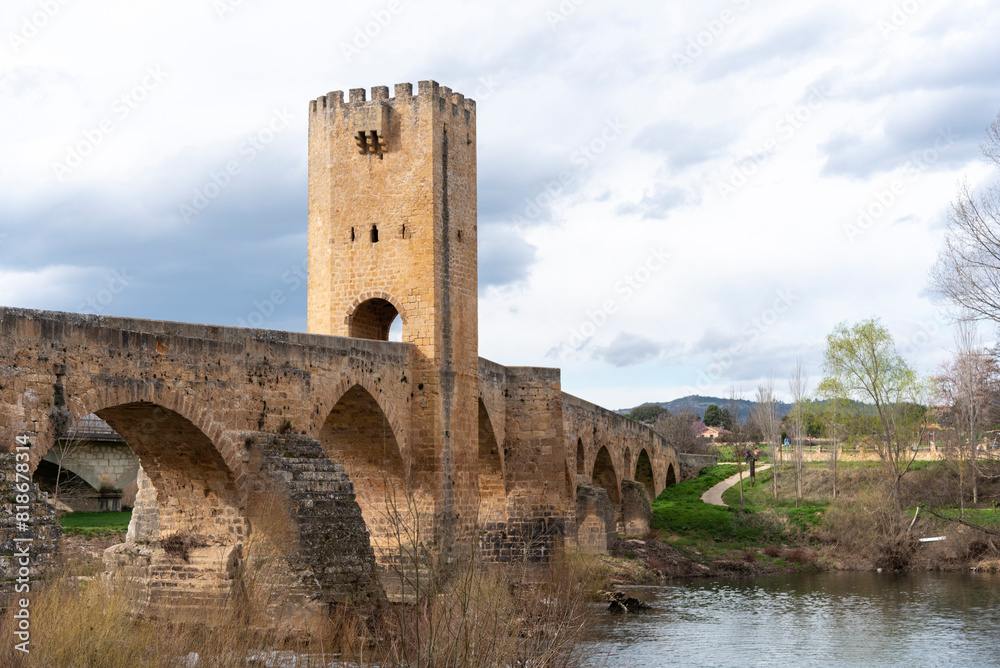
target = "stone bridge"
x: 196, y: 402
x: 355, y: 460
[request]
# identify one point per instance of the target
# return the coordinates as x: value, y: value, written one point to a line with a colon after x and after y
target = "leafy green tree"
x: 647, y: 412
x: 713, y: 416
x: 861, y: 364
x: 728, y: 421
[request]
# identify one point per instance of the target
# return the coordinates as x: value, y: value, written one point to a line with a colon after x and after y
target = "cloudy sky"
x: 674, y: 198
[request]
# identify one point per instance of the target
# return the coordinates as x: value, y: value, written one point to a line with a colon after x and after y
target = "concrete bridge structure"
x: 351, y: 456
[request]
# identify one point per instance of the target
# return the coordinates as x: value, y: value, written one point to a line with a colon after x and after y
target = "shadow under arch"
x: 671, y: 478
x: 492, y: 489
x: 605, y: 476
x: 644, y: 473
x: 581, y: 462
x: 195, y: 488
x: 358, y: 435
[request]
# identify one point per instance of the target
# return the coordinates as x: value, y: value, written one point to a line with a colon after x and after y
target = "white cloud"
x: 547, y: 89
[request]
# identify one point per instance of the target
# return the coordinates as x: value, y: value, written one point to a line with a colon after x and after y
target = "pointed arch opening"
x: 671, y: 476
x: 492, y: 493
x: 357, y: 435
x: 188, y: 509
x: 644, y: 473
x: 606, y: 477
x: 372, y: 319
x: 581, y: 463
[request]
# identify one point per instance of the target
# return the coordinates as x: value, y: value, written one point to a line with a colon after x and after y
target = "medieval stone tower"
x: 392, y: 232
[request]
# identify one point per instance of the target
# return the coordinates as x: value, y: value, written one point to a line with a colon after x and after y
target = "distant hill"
x: 697, y: 405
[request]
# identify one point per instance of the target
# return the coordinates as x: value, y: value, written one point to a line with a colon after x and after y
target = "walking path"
x: 714, y: 494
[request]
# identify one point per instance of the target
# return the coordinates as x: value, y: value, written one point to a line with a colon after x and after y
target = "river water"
x: 824, y: 619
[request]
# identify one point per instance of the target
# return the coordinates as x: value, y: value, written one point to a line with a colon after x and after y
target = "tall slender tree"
x: 765, y: 418
x: 797, y: 385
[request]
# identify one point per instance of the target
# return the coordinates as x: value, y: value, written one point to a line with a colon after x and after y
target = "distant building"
x: 702, y: 430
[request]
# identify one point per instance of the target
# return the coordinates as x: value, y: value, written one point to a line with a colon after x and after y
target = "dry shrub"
x: 82, y: 624
x: 489, y: 616
x: 799, y: 556
x: 773, y: 551
x: 871, y: 529
x: 749, y: 555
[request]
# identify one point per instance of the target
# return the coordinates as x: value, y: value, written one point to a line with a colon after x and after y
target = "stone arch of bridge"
x: 671, y: 476
x: 196, y: 490
x: 326, y: 404
x: 605, y: 476
x: 371, y: 315
x: 186, y: 406
x: 490, y: 470
x: 359, y: 435
x: 644, y: 473
x: 85, y: 473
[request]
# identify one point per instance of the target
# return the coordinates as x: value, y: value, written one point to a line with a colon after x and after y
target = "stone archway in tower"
x: 581, y: 462
x: 372, y: 319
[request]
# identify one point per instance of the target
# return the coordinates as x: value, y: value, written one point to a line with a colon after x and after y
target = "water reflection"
x: 827, y: 619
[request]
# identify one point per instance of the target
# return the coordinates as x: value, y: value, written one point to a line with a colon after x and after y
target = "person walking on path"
x: 752, y: 460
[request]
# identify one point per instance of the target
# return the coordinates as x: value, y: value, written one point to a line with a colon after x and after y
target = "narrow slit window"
x: 352, y: 234
x: 374, y: 234
x: 402, y: 232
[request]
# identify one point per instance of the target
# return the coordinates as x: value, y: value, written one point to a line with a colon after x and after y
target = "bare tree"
x: 734, y: 407
x: 765, y: 417
x: 967, y: 271
x: 966, y: 388
x: 797, y: 384
x: 63, y: 450
x: 831, y: 390
x: 678, y: 429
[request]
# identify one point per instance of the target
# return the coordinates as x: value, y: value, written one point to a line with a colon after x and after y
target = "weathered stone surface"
x: 596, y: 520
x: 32, y: 525
x: 637, y: 510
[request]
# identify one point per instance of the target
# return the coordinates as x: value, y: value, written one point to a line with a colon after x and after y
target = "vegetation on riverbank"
x: 481, y: 615
x: 859, y: 530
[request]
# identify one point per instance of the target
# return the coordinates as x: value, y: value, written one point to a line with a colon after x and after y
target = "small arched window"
x: 374, y: 234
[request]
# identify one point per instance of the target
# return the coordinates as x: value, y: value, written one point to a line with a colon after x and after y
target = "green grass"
x: 986, y: 517
x: 91, y: 525
x: 679, y: 510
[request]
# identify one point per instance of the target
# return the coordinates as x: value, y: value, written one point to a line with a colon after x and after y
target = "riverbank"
x: 771, y: 534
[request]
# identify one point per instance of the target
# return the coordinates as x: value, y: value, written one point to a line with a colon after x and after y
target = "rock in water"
x: 619, y: 602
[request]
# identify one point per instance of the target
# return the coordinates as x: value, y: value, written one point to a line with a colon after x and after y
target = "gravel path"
x: 714, y: 494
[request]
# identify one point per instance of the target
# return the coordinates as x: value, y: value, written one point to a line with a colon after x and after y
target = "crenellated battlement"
x: 357, y: 97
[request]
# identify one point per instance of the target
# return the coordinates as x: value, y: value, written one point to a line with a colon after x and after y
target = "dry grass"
x: 482, y: 615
